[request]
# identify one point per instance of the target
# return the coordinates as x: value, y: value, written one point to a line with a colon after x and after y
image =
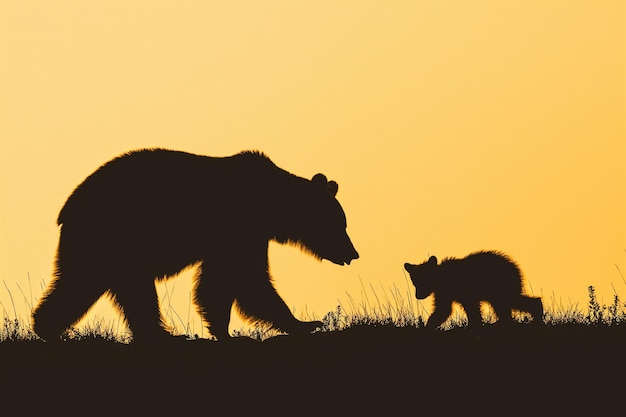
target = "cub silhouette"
x: 148, y: 214
x: 481, y: 276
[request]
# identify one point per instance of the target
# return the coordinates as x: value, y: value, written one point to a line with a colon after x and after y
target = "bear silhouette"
x: 148, y: 214
x: 488, y: 276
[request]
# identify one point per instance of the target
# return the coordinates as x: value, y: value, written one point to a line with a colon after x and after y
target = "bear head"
x: 316, y: 222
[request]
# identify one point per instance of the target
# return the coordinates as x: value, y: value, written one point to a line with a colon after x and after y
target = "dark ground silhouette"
x: 481, y: 276
x: 148, y: 214
x: 561, y: 370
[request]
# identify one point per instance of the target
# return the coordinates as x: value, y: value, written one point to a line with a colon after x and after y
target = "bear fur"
x: 488, y: 276
x: 148, y: 214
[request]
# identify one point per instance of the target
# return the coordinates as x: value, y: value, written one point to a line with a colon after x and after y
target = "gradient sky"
x: 450, y: 127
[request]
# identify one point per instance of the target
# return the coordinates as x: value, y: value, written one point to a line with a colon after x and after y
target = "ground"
x: 365, y: 370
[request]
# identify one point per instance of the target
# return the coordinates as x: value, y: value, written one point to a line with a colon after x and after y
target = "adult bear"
x: 148, y: 214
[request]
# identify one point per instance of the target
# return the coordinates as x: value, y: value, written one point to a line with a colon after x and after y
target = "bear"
x: 147, y: 214
x: 489, y: 276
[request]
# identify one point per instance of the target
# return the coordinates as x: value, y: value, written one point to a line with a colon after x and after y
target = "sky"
x: 449, y: 126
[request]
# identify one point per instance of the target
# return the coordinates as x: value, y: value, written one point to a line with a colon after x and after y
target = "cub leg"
x: 474, y: 318
x: 532, y: 305
x: 439, y: 315
x: 503, y: 312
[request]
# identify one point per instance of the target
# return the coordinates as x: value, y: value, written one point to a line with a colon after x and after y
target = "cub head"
x: 423, y: 276
x: 318, y: 223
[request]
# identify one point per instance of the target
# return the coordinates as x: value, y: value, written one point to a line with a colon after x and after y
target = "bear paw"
x: 306, y: 327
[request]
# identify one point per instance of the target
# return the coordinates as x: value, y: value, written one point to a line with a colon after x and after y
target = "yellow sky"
x: 450, y: 126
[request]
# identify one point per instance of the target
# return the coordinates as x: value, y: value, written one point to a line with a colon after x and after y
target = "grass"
x: 385, y: 308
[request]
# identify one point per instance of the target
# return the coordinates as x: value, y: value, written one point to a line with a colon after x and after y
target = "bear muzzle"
x: 345, y: 260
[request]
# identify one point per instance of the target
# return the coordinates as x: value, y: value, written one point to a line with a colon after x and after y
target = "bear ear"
x: 432, y: 260
x: 332, y: 188
x: 319, y: 180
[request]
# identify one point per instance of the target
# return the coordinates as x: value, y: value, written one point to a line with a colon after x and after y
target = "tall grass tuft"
x: 15, y: 327
x: 99, y: 330
x: 604, y: 314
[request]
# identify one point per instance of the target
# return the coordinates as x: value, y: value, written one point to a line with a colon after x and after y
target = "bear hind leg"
x: 214, y: 301
x: 138, y: 301
x: 65, y: 303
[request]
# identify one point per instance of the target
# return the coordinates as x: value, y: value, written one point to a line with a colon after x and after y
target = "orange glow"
x: 450, y: 126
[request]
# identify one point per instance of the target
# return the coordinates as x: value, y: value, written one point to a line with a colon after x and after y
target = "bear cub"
x: 488, y: 276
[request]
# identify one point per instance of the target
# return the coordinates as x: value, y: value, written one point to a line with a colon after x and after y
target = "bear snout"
x: 355, y: 255
x: 345, y: 259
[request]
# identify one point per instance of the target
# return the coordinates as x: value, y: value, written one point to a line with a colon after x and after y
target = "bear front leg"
x: 258, y: 300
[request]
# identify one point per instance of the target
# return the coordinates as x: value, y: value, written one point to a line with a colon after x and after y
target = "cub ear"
x: 332, y: 188
x: 432, y: 260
